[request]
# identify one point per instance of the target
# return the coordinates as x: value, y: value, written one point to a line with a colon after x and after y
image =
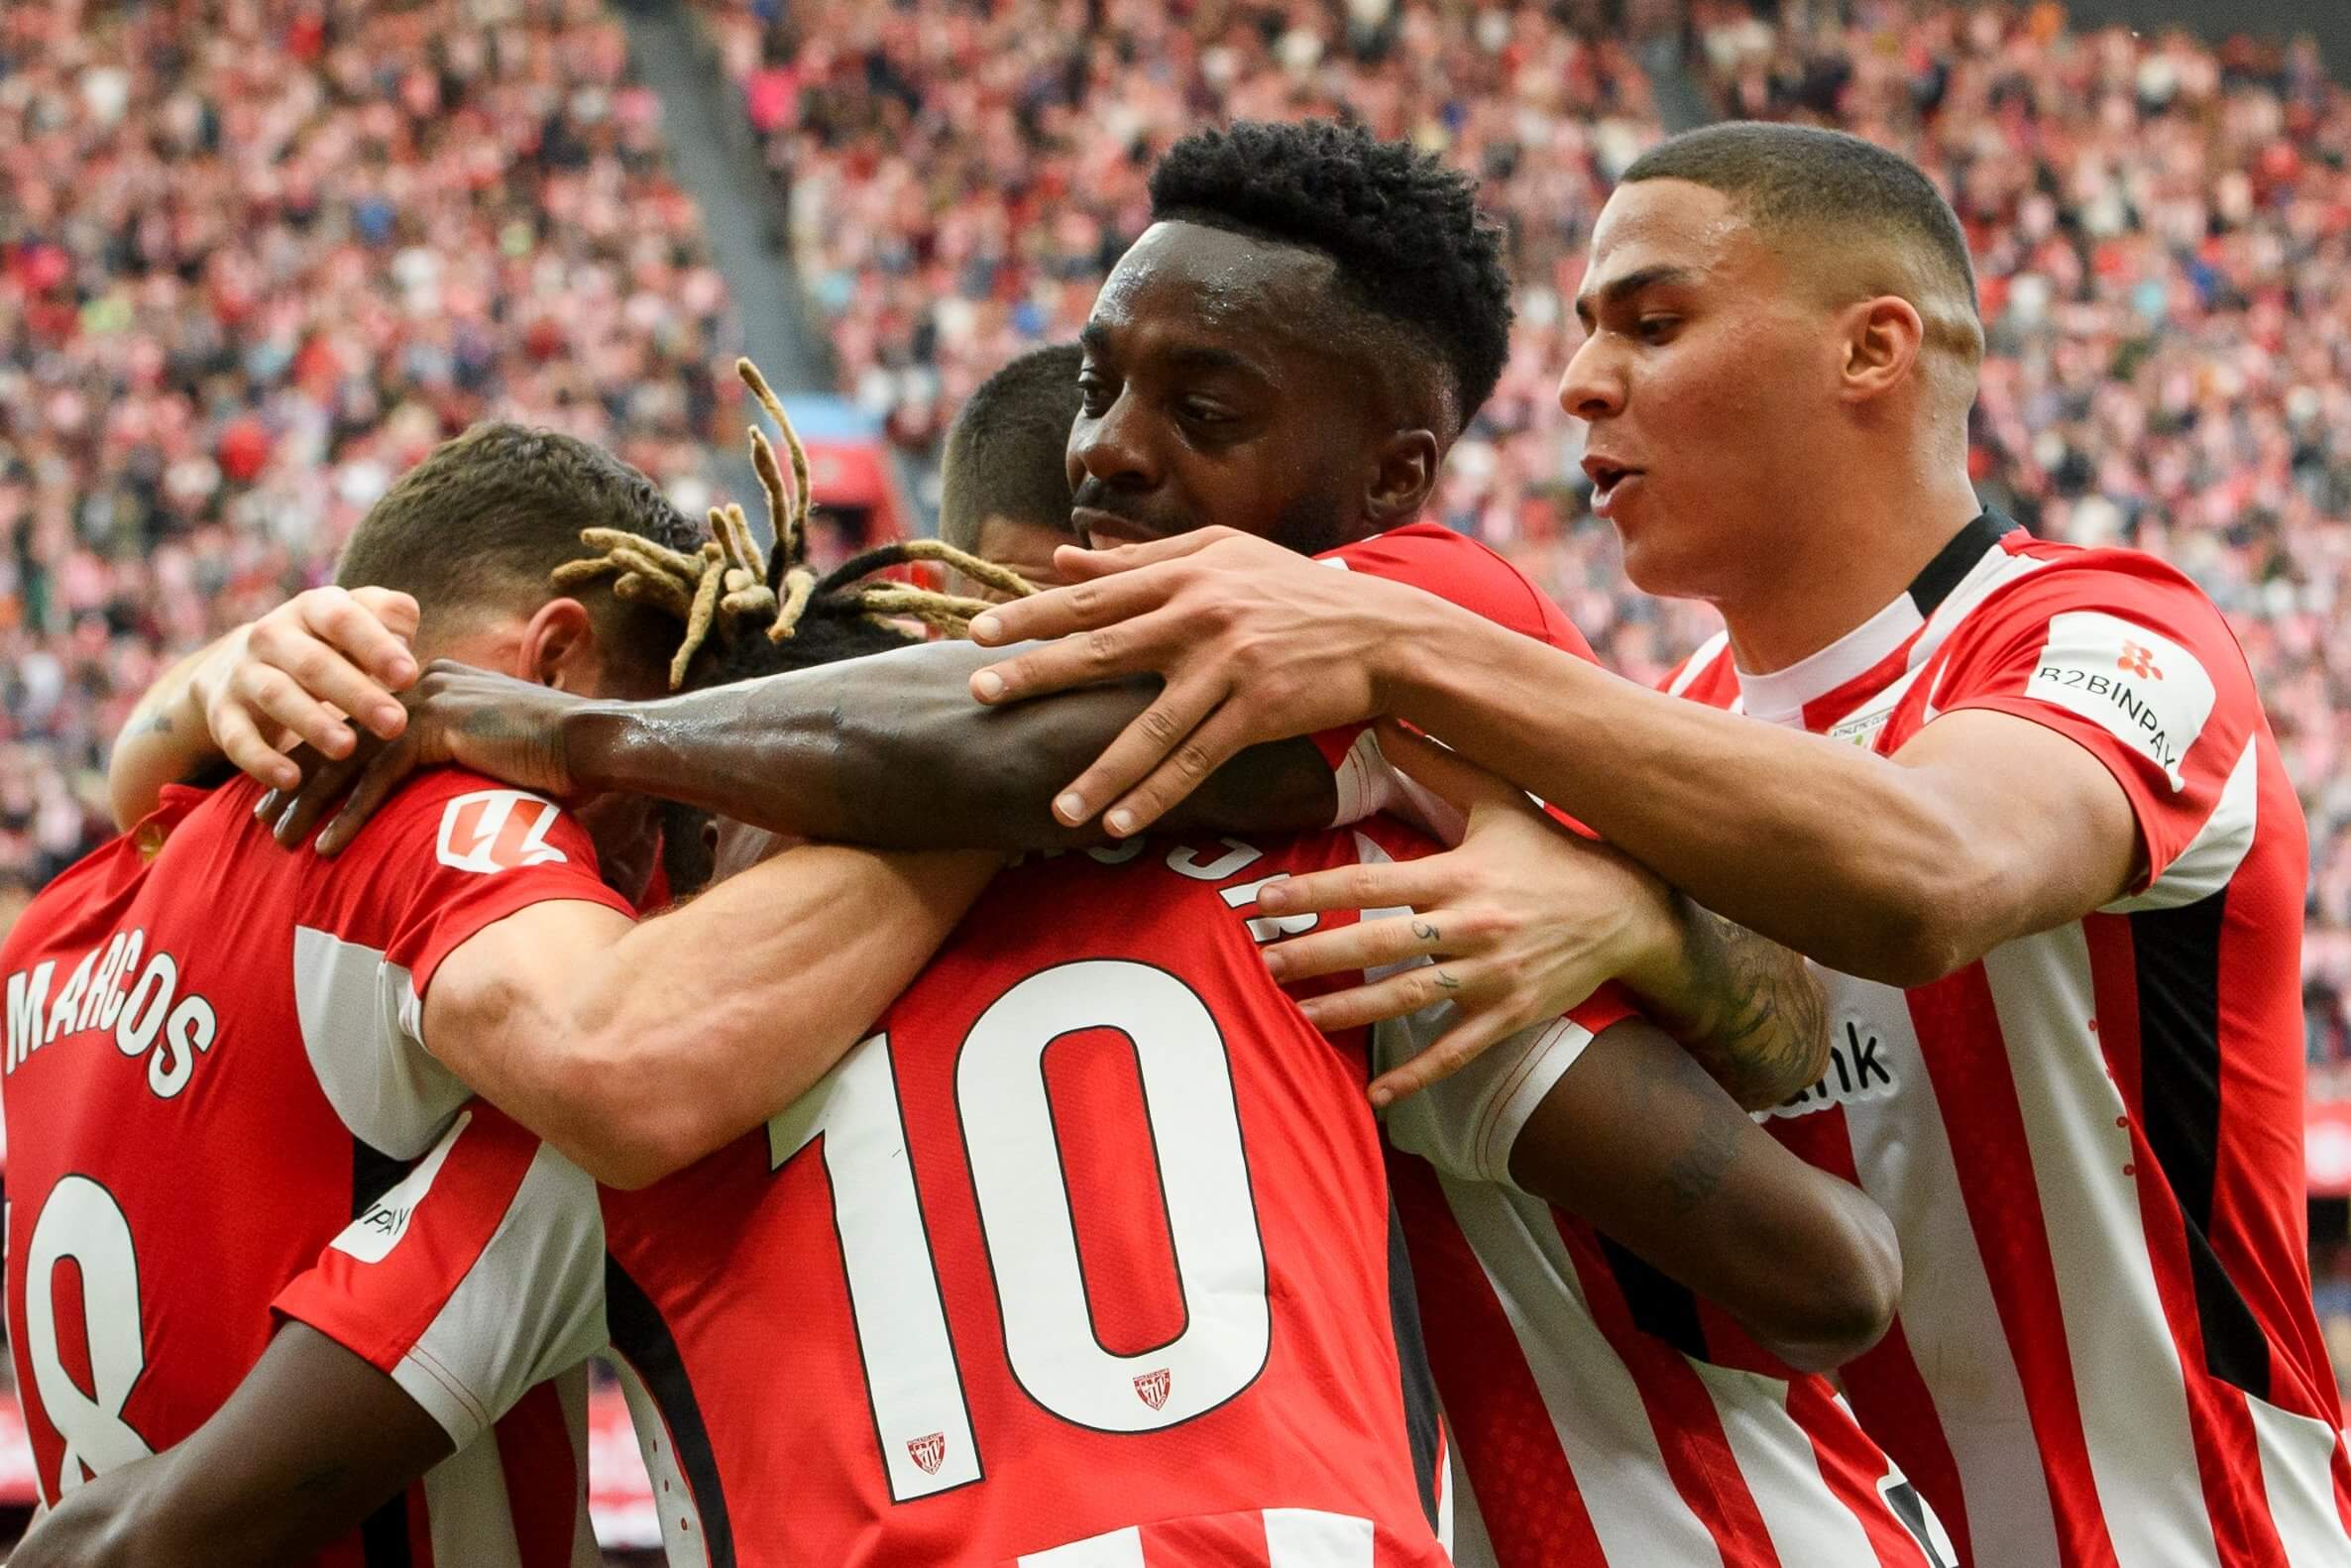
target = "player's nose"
x: 1114, y: 449
x: 1593, y: 385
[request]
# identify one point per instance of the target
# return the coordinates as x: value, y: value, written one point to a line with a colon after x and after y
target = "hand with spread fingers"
x: 302, y: 674
x: 1521, y: 921
x: 1253, y: 643
x: 509, y: 728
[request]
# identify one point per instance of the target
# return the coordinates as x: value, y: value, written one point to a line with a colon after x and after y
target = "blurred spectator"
x: 258, y: 256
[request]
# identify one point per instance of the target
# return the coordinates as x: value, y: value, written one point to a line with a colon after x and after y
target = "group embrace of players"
x: 1855, y: 1125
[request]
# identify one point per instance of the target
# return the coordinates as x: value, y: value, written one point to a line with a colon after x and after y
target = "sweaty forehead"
x: 1185, y: 280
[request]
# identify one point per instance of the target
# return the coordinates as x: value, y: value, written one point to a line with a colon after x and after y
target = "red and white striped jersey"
x: 1084, y: 1257
x: 2090, y: 1141
x: 212, y: 1067
x: 1603, y: 1414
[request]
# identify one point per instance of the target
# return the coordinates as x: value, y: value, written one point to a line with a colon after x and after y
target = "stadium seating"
x: 257, y: 258
x: 2164, y: 232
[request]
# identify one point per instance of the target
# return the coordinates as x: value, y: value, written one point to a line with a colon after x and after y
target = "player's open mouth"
x: 1608, y: 482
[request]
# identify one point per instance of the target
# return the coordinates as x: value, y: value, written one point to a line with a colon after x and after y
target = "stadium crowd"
x: 253, y: 269
x: 2162, y: 231
x: 257, y: 258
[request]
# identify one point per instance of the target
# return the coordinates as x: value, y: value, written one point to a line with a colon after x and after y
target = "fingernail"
x: 987, y: 683
x: 1312, y: 1008
x: 1070, y: 807
x: 1270, y: 899
x: 388, y: 716
x: 984, y: 628
x: 1120, y: 823
x: 1381, y: 1097
x: 403, y: 670
x: 1276, y: 964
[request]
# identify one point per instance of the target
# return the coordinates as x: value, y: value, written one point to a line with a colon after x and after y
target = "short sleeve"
x: 1463, y: 572
x: 477, y: 1277
x: 1466, y: 1125
x: 479, y: 856
x: 2137, y: 667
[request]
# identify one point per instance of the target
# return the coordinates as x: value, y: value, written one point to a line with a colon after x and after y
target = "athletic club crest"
x: 1152, y: 1387
x: 929, y: 1451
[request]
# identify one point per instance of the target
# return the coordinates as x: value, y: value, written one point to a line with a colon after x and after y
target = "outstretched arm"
x: 310, y: 1443
x: 1899, y: 871
x: 1522, y: 922
x: 887, y: 750
x: 637, y: 1050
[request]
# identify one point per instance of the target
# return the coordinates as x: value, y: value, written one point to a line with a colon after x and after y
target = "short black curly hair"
x: 1403, y: 228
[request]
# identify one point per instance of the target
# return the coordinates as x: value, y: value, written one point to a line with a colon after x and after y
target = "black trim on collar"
x: 1956, y: 560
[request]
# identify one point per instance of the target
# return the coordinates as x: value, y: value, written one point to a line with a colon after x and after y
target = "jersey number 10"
x: 919, y: 1410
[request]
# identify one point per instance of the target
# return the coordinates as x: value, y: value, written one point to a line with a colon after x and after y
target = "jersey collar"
x: 1781, y: 696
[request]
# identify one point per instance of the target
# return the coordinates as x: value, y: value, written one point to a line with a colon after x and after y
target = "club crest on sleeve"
x: 2141, y: 687
x: 927, y: 1452
x: 1152, y: 1387
x: 497, y: 829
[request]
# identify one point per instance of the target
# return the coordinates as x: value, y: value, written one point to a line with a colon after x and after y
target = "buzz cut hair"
x: 1412, y: 248
x: 1007, y: 451
x: 1829, y: 188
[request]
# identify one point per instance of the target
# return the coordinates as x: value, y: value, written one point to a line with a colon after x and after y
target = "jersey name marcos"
x: 150, y: 1016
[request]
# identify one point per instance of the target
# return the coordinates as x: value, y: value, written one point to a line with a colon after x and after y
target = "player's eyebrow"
x: 1619, y: 290
x: 1201, y: 358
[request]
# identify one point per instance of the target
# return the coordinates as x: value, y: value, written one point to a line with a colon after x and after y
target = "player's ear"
x: 1404, y: 471
x: 559, y: 647
x: 1882, y: 339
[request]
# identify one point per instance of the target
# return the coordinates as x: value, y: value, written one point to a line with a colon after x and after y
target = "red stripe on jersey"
x: 1895, y: 1390
x: 1690, y: 1435
x: 471, y: 1193
x: 534, y: 1440
x: 1533, y: 1511
x: 421, y: 1528
x: 1823, y: 712
x: 1853, y: 1466
x: 1986, y: 1128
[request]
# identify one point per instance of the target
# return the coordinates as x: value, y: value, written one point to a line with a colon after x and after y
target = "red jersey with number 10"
x: 1082, y: 1260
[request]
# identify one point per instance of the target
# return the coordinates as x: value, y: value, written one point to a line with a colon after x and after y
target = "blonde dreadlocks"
x: 730, y: 583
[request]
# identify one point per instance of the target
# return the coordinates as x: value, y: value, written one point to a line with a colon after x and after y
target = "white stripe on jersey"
x: 2297, y: 1476
x: 1783, y: 1471
x: 472, y: 1520
x: 2129, y: 1385
x: 684, y: 1537
x: 1708, y: 651
x: 1594, y: 1403
x: 389, y: 1091
x: 2218, y: 848
x: 572, y: 1389
x: 1902, y: 1152
x: 1310, y: 1538
x: 1118, y: 1549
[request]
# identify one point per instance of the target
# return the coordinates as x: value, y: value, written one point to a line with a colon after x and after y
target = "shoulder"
x: 2064, y: 578
x: 1707, y: 675
x: 460, y: 821
x: 1455, y: 567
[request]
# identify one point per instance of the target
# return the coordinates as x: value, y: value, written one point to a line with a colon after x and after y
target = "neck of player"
x: 1848, y: 558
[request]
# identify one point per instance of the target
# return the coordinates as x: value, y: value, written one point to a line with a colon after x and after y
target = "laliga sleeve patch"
x: 497, y: 829
x: 2144, y: 689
